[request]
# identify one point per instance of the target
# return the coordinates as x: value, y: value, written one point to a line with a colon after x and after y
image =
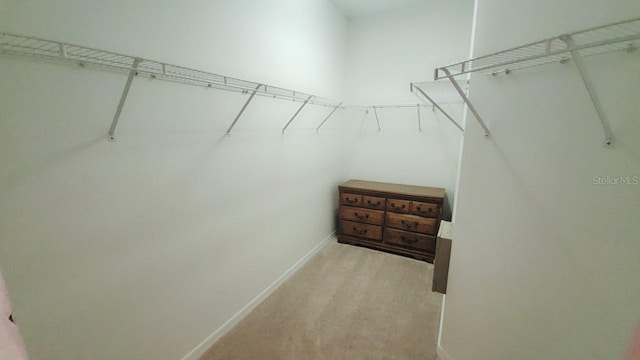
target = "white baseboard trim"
x: 441, y: 323
x: 442, y: 355
x: 199, y: 350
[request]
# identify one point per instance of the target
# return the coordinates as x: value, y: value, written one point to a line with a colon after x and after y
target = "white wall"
x: 388, y: 51
x: 545, y: 262
x: 293, y: 44
x: 141, y: 248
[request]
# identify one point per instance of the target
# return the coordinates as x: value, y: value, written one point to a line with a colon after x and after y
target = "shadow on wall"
x: 30, y: 169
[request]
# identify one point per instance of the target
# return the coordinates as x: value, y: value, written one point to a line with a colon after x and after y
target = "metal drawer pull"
x: 398, y: 207
x: 408, y: 240
x: 351, y: 201
x: 359, y: 232
x: 428, y: 210
x: 372, y: 204
x: 409, y: 225
x: 361, y: 217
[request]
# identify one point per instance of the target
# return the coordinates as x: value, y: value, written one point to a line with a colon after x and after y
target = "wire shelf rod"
x: 606, y: 38
x: 48, y: 49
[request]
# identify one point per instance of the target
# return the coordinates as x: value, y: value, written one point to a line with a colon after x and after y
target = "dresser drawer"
x: 411, y: 223
x: 366, y: 216
x: 361, y: 230
x: 410, y: 240
x: 399, y: 206
x: 350, y: 199
x: 425, y: 209
x: 372, y: 202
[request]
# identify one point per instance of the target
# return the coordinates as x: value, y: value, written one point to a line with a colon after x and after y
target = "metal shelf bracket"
x: 123, y: 97
x: 375, y: 111
x: 608, y: 134
x: 328, y: 116
x: 296, y: 114
x: 244, y: 107
x: 435, y: 105
x: 487, y: 133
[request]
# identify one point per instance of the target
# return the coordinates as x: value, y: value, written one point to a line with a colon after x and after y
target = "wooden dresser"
x: 401, y: 219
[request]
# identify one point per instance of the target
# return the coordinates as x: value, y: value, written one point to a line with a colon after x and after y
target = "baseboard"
x: 235, y: 319
x: 441, y: 323
x: 442, y: 355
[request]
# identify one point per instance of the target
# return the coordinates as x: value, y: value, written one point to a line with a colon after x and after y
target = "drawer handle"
x: 359, y: 232
x: 361, y: 217
x: 409, y: 225
x: 372, y: 204
x: 351, y: 201
x: 429, y: 210
x: 408, y: 240
x: 398, y: 207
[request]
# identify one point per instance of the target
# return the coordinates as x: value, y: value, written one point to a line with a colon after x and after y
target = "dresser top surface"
x: 394, y: 188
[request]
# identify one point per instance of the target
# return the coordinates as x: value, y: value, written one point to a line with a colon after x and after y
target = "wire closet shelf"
x: 13, y: 44
x: 85, y: 56
x: 623, y: 35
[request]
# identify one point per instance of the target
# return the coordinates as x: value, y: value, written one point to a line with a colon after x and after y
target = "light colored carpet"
x: 345, y: 303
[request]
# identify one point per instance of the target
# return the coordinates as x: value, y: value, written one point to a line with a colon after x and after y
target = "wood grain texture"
x: 372, y: 232
x: 411, y: 223
x: 425, y: 209
x: 430, y: 192
x: 410, y: 239
x: 400, y: 206
x: 374, y: 217
x: 373, y: 202
x: 410, y: 217
x: 350, y: 199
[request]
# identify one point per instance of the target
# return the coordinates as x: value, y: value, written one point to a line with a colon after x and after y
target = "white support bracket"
x: 296, y: 114
x: 123, y: 98
x: 244, y: 107
x: 435, y: 105
x: 608, y: 134
x: 63, y: 50
x: 328, y: 116
x: 487, y: 133
x: 375, y: 111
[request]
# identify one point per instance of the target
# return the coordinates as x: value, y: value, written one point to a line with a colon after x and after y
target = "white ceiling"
x: 351, y: 8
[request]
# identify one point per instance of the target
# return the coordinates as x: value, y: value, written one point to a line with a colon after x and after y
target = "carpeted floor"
x: 345, y: 303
